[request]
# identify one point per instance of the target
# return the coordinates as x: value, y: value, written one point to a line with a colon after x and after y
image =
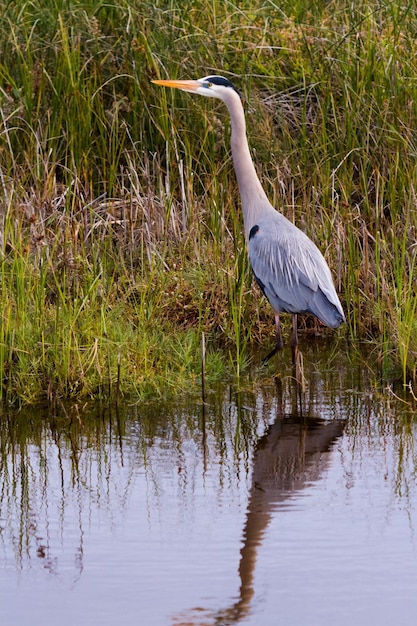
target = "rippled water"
x: 268, y: 507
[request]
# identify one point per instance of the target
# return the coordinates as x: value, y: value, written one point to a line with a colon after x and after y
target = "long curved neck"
x: 252, y: 195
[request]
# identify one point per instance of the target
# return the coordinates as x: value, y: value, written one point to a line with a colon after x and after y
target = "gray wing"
x: 291, y: 270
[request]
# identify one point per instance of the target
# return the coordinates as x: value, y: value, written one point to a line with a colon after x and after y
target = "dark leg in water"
x: 294, y: 340
x: 279, y: 344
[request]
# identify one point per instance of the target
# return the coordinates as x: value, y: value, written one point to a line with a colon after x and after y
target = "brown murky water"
x: 267, y: 507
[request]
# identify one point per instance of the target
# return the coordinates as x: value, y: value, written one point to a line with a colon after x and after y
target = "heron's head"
x: 210, y: 86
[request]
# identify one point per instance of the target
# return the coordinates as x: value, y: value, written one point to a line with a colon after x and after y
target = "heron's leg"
x: 294, y: 340
x: 279, y: 344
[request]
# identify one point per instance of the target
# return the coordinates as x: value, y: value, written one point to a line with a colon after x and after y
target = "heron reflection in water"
x: 291, y: 455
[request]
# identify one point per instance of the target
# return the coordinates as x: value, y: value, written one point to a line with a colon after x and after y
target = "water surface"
x: 265, y: 506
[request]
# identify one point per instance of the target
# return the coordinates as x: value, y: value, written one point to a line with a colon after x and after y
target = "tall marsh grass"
x: 121, y: 237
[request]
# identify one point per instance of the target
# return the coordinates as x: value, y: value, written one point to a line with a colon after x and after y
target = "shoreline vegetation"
x: 121, y: 238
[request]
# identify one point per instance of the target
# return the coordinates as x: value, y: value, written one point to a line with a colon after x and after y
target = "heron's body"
x: 287, y: 265
x: 293, y: 283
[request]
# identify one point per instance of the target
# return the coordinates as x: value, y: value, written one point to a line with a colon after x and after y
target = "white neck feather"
x: 251, y: 192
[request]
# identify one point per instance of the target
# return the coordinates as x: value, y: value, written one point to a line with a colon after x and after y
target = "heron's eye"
x: 209, y: 85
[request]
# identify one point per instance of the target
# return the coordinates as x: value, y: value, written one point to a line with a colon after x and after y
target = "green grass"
x: 120, y: 227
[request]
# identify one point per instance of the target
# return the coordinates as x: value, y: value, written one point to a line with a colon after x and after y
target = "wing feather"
x: 292, y: 271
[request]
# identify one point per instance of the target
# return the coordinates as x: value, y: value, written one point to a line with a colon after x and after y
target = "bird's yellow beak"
x: 185, y: 85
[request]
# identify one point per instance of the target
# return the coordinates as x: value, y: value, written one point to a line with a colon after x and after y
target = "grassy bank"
x: 121, y: 237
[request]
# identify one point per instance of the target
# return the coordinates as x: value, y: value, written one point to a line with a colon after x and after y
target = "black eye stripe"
x: 220, y: 80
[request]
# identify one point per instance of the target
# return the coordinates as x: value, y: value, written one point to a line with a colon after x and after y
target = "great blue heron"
x: 287, y: 265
